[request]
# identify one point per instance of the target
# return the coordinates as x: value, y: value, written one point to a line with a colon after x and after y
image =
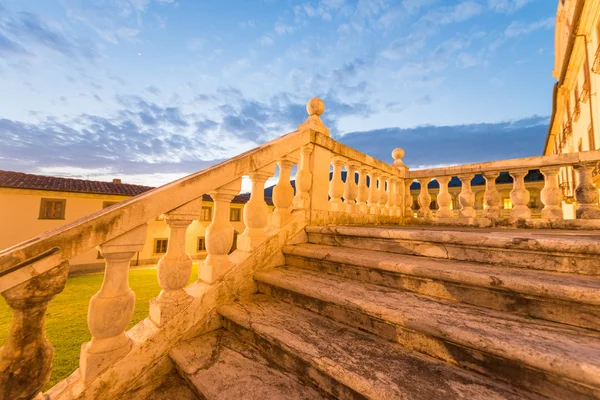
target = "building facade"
x: 575, y: 123
x: 33, y: 204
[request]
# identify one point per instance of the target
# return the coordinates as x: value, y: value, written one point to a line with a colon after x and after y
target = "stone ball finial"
x: 315, y: 106
x: 398, y: 153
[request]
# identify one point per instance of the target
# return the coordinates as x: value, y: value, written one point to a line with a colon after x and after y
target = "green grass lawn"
x: 66, y: 320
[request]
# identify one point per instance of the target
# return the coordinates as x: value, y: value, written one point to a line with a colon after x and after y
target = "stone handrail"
x: 586, y: 194
x: 33, y: 272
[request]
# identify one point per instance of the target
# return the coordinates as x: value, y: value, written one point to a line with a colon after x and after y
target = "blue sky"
x: 151, y: 90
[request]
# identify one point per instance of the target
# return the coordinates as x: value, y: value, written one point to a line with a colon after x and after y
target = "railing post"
x: 551, y: 194
x: 424, y: 199
x: 400, y: 197
x: 519, y: 195
x: 175, y: 267
x: 336, y: 185
x: 303, y: 179
x: 26, y: 358
x: 466, y: 197
x: 219, y: 234
x: 373, y: 199
x: 383, y: 194
x: 256, y: 211
x: 491, y: 197
x: 351, y: 188
x: 392, y: 208
x: 408, y: 200
x: 363, y: 189
x: 444, y: 198
x: 402, y: 194
x: 586, y: 193
x: 283, y: 193
x: 111, y: 309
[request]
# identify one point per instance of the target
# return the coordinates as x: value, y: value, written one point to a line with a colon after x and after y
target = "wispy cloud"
x: 519, y: 28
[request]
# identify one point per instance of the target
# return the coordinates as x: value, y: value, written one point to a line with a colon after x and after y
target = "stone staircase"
x: 411, y: 313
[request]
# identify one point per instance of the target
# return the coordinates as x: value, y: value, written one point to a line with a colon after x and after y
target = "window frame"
x: 209, y: 208
x: 155, y: 244
x: 239, y: 214
x: 201, y: 239
x: 45, y: 200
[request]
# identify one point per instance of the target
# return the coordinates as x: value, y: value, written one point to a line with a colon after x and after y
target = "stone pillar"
x: 363, y: 189
x: 219, y: 234
x: 408, y: 200
x: 303, y: 179
x: 26, y: 358
x: 491, y: 197
x: 351, y: 188
x: 586, y: 193
x: 424, y: 199
x: 519, y: 196
x: 336, y: 185
x: 444, y: 198
x: 383, y: 194
x: 373, y: 199
x: 551, y: 194
x: 392, y: 208
x: 175, y: 267
x: 256, y: 211
x: 466, y: 197
x: 111, y: 309
x: 400, y: 197
x: 283, y: 193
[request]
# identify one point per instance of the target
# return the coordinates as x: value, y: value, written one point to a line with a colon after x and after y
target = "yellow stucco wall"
x: 19, y: 221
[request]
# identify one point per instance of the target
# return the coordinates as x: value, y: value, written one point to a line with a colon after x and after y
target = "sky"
x: 152, y: 90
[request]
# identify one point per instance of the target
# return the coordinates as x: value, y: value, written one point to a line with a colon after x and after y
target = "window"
x: 108, y: 203
x: 201, y: 244
x: 160, y: 246
x: 206, y: 214
x: 506, y: 203
x: 52, y: 208
x: 235, y: 214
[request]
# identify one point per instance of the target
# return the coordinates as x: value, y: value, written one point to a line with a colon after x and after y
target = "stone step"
x: 350, y: 364
x: 559, y: 297
x: 550, y: 359
x: 561, y: 251
x: 220, y: 366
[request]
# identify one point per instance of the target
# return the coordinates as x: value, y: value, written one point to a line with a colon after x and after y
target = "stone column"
x: 303, y: 179
x: 466, y: 197
x: 283, y: 193
x: 26, y: 358
x: 444, y: 198
x: 424, y: 199
x: 256, y: 211
x: 336, y: 185
x: 351, y: 188
x: 383, y: 194
x: 175, y: 267
x: 491, y: 197
x: 219, y: 234
x: 408, y: 200
x: 373, y: 193
x: 363, y: 189
x: 392, y: 208
x: 519, y: 196
x: 111, y: 309
x: 551, y: 194
x: 400, y: 197
x: 586, y: 193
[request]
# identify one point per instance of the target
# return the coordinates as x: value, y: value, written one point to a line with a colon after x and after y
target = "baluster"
x: 219, y: 234
x: 491, y: 197
x: 408, y: 199
x: 551, y: 194
x: 586, y: 193
x: 383, y: 194
x: 111, y: 309
x: 400, y: 197
x: 351, y: 188
x: 336, y: 185
x: 363, y: 189
x: 373, y: 193
x: 392, y: 208
x: 466, y: 197
x: 256, y: 211
x: 519, y: 196
x: 444, y: 198
x: 424, y: 199
x: 175, y: 267
x: 26, y: 358
x: 303, y: 179
x: 283, y: 193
